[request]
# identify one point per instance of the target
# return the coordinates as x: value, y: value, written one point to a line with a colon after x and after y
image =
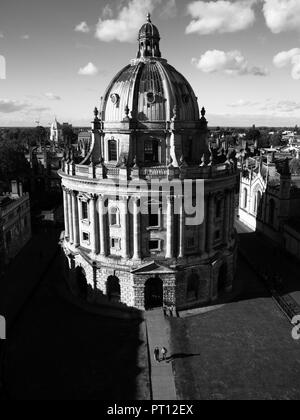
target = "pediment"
x: 153, y: 268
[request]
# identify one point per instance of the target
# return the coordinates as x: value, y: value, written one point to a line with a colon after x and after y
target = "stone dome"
x: 149, y: 89
x: 153, y: 91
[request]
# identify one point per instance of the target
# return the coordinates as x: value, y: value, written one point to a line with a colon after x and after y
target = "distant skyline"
x: 241, y: 57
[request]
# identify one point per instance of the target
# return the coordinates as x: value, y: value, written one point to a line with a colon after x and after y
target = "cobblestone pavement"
x: 162, y: 379
x: 261, y: 253
x: 238, y: 350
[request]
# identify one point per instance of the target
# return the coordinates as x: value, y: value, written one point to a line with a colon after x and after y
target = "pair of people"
x: 157, y: 352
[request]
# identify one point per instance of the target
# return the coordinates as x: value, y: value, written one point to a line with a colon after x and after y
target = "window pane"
x: 85, y: 215
x: 112, y: 150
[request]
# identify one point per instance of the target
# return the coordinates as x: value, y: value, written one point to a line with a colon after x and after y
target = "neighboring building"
x: 149, y: 130
x: 15, y: 222
x: 56, y: 132
x: 44, y: 161
x: 61, y: 134
x: 84, y: 142
x: 270, y: 198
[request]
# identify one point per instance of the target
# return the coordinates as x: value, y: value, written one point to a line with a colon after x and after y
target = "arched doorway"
x: 113, y: 289
x: 222, y: 280
x: 154, y: 293
x: 82, y: 285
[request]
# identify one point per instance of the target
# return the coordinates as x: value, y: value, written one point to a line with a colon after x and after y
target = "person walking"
x: 156, y: 354
x: 164, y: 352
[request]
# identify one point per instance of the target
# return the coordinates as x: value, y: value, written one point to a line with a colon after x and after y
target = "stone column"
x: 66, y: 213
x: 170, y: 227
x: 124, y: 226
x: 181, y: 252
x: 136, y: 230
x: 70, y: 216
x: 211, y: 222
x: 94, y: 225
x: 75, y: 219
x: 102, y: 226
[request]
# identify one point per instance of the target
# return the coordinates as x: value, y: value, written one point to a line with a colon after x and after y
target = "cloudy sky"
x: 242, y: 57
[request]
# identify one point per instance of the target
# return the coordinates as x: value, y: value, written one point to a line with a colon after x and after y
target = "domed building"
x: 129, y: 235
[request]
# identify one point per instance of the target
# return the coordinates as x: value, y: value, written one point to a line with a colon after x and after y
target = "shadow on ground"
x: 57, y: 351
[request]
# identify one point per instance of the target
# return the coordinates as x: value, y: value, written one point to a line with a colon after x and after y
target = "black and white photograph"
x: 150, y: 203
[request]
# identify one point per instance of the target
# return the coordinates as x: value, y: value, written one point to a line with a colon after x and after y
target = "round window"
x: 150, y: 97
x: 115, y: 98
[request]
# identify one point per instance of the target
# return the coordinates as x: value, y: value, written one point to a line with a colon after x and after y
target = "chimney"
x: 14, y: 189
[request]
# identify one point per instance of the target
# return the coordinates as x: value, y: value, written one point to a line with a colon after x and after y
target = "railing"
x: 154, y: 172
x: 81, y: 170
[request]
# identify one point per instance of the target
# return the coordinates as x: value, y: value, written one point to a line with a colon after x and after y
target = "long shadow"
x: 181, y: 356
x: 58, y: 351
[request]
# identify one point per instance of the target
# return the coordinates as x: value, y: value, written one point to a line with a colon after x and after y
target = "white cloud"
x: 268, y: 106
x: 289, y: 58
x: 286, y: 106
x: 107, y: 12
x: 124, y: 27
x: 231, y: 63
x: 25, y: 37
x: 282, y: 15
x: 220, y: 16
x: 82, y: 27
x: 242, y: 103
x: 52, y: 96
x: 89, y: 70
x: 8, y: 106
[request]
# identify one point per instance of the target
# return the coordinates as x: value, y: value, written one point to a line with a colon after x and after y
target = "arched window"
x: 245, y: 198
x: 192, y: 287
x: 112, y: 150
x: 114, y: 216
x: 151, y: 151
x: 271, y: 212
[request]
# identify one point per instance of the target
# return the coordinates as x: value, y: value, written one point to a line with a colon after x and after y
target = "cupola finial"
x: 149, y: 40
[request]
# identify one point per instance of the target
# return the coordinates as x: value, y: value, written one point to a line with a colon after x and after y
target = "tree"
x: 13, y: 164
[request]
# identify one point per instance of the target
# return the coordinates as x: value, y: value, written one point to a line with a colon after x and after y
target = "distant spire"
x: 149, y: 17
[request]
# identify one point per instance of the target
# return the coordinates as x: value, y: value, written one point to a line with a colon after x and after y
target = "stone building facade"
x: 149, y: 135
x: 15, y: 222
x: 270, y: 197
